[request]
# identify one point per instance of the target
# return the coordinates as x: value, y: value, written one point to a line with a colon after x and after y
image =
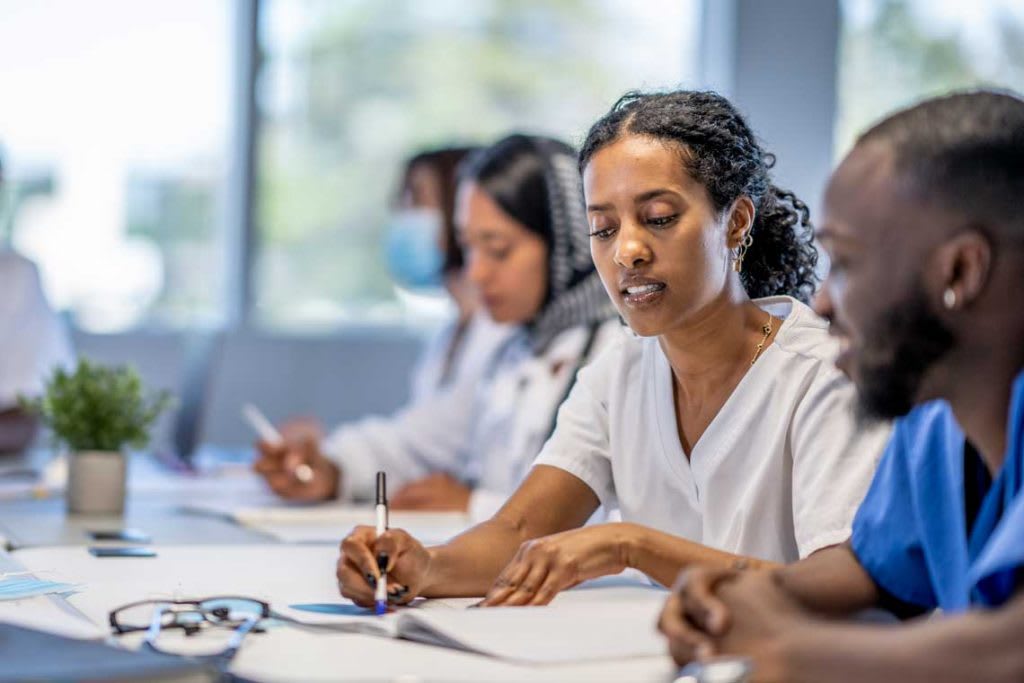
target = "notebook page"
x: 559, y: 633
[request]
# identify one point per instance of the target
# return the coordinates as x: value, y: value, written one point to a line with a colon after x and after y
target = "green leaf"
x: 98, y: 407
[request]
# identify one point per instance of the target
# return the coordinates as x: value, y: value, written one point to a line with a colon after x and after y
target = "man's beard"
x: 903, y: 345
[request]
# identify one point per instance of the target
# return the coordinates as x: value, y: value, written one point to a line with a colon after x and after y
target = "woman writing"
x: 422, y: 254
x: 722, y: 432
x: 523, y: 230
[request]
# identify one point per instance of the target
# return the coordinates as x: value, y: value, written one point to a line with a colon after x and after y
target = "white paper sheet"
x: 328, y: 522
x: 559, y: 633
x: 579, y: 626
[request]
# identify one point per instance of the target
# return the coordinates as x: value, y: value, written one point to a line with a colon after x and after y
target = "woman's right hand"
x: 405, y: 559
x: 297, y: 470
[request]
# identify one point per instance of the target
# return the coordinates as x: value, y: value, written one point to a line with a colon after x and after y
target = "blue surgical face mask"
x: 19, y: 586
x: 413, y: 254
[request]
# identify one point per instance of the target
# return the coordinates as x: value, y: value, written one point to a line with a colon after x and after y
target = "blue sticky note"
x: 339, y: 608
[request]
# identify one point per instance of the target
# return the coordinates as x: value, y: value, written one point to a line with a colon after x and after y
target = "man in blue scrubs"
x: 924, y: 224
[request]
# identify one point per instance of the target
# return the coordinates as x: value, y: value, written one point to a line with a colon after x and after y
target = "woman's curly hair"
x: 722, y: 153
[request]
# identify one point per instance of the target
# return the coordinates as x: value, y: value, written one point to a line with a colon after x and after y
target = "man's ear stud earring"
x: 949, y: 298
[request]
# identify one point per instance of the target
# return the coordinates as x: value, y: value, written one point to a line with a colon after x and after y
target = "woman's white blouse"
x: 779, y: 472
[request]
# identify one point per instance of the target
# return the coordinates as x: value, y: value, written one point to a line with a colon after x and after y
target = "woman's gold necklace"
x: 767, y: 329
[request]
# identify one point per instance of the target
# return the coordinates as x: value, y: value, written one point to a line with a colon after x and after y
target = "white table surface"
x: 288, y: 574
x: 155, y: 496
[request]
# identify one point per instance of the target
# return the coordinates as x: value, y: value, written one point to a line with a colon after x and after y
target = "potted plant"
x: 96, y: 412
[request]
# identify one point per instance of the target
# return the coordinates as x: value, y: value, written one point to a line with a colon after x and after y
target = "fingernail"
x: 382, y: 561
x: 704, y: 651
x: 371, y: 579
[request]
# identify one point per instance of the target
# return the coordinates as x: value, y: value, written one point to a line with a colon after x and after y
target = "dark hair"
x: 512, y: 172
x: 722, y: 153
x: 964, y: 152
x: 444, y: 162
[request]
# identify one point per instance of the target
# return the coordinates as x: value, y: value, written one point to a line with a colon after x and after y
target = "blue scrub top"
x: 911, y: 534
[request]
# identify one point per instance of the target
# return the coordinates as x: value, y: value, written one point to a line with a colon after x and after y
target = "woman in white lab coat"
x: 423, y: 254
x: 723, y: 432
x: 523, y: 229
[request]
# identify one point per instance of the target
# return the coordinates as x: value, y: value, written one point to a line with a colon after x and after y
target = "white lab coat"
x: 487, y: 431
x: 33, y: 339
x: 406, y: 443
x: 475, y: 349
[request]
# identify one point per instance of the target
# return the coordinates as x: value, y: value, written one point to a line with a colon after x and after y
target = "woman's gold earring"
x: 949, y: 299
x: 741, y: 252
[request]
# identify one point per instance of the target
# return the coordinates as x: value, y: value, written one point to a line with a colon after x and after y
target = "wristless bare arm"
x: 662, y: 556
x: 831, y: 581
x: 549, y: 500
x: 978, y: 646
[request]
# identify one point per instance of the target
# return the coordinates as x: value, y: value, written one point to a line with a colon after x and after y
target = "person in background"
x: 722, y: 431
x: 423, y: 253
x: 33, y: 341
x: 926, y: 237
x: 522, y: 227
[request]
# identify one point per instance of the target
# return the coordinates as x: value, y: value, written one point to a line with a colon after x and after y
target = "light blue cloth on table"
x: 20, y: 586
x: 910, y: 533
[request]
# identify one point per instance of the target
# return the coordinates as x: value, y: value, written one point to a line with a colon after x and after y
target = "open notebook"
x: 327, y: 522
x: 582, y: 625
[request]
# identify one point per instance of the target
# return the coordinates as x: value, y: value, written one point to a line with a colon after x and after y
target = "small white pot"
x: 96, y: 483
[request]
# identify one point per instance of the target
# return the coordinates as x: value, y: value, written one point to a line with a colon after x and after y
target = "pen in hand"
x: 381, y: 590
x: 303, y: 473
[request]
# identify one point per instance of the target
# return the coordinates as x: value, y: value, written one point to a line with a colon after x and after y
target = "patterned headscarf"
x: 575, y: 295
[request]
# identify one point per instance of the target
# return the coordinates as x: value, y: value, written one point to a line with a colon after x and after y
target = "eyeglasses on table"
x: 234, y: 616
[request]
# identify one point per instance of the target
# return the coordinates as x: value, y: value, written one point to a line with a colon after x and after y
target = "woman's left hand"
x: 545, y: 566
x: 435, y: 492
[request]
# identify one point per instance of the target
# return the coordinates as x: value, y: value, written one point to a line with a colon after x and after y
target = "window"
x: 895, y: 52
x: 116, y: 129
x: 114, y: 126
x: 348, y: 88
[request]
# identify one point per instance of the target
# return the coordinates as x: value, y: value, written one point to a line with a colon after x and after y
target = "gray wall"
x: 334, y: 378
x: 777, y: 60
